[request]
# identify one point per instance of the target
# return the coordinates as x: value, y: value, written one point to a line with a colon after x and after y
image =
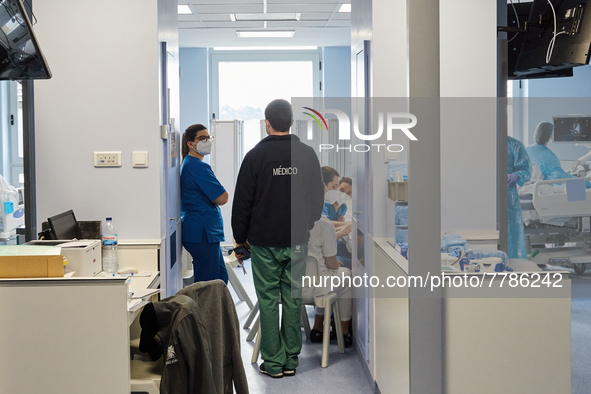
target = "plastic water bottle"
x: 110, y: 252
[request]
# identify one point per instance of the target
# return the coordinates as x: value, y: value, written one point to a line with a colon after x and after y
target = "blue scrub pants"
x: 208, y: 262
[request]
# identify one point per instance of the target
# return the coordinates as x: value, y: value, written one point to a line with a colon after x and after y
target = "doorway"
x: 244, y: 83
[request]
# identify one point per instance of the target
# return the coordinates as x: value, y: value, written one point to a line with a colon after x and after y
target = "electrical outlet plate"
x: 107, y: 159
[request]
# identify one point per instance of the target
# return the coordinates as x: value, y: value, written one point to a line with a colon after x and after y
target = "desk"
x: 64, y: 335
x: 67, y: 335
x: 495, y: 339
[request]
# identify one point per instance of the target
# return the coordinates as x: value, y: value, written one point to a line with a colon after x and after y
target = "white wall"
x: 468, y: 61
x: 104, y: 95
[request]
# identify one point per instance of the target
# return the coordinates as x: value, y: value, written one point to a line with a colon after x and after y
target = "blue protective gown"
x: 517, y: 162
x: 547, y: 161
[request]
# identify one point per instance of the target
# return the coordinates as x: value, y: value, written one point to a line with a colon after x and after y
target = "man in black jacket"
x: 279, y: 195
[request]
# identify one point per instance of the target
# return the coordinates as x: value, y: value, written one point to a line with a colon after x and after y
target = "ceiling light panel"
x: 273, y: 48
x: 265, y: 33
x: 276, y: 16
x: 217, y: 8
x: 238, y: 25
x: 313, y: 7
x: 184, y: 9
x: 345, y: 8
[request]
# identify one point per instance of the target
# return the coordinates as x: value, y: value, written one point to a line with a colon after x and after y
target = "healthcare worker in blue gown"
x: 543, y: 157
x: 518, y: 173
x: 201, y: 196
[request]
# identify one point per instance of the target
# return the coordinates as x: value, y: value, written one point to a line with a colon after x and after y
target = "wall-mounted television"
x: 20, y: 56
x: 517, y: 16
x: 558, y: 37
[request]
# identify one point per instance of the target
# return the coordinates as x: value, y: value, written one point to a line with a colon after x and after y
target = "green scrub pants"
x: 277, y: 272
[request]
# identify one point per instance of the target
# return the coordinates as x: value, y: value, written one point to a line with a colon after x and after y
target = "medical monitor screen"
x: 20, y: 56
x: 572, y: 128
x: 65, y: 226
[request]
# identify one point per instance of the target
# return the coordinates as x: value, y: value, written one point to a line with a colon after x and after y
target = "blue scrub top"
x: 199, y: 187
x: 333, y: 214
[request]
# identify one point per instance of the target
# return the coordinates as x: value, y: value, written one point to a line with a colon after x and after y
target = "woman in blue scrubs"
x: 201, y: 196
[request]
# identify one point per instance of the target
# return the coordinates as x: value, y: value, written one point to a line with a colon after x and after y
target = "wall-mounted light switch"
x: 140, y: 159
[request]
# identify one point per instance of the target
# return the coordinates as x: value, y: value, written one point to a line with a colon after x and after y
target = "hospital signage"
x: 392, y: 122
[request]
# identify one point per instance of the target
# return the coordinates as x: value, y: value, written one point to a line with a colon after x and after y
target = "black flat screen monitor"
x: 64, y: 226
x: 517, y: 15
x: 570, y: 32
x: 572, y: 128
x: 20, y: 56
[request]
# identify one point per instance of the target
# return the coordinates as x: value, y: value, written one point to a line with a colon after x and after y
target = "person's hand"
x: 340, y: 263
x: 341, y: 219
x: 511, y: 179
x: 345, y: 230
x: 240, y: 256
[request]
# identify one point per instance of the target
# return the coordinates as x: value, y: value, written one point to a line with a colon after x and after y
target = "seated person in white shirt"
x: 323, y: 246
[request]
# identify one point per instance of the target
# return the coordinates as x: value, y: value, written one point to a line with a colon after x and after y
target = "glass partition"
x: 11, y: 161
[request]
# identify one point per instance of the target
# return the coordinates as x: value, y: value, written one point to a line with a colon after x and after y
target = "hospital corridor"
x: 276, y: 196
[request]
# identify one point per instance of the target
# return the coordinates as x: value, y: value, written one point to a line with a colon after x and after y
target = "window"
x: 244, y: 83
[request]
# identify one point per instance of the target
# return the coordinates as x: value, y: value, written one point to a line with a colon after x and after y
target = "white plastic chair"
x: 330, y: 303
x: 231, y: 263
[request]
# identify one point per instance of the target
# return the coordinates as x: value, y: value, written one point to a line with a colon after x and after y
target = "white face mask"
x: 343, y: 198
x: 203, y: 148
x: 333, y: 196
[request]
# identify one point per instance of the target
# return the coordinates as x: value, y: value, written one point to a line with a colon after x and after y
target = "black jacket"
x: 217, y: 309
x: 279, y: 193
x: 174, y: 328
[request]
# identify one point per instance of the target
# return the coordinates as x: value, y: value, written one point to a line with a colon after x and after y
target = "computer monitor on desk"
x: 64, y: 226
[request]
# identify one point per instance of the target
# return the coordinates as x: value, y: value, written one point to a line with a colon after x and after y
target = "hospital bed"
x: 557, y: 226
